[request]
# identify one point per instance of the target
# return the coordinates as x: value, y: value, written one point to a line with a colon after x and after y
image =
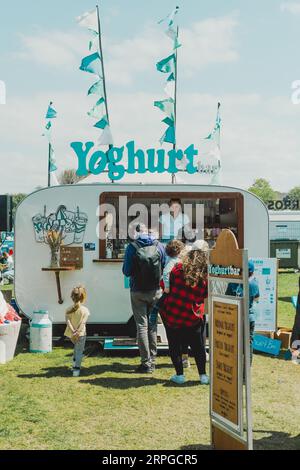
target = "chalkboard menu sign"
x: 226, y: 393
x: 71, y: 256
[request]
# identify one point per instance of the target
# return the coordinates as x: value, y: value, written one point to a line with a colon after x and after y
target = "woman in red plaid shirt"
x: 183, y: 312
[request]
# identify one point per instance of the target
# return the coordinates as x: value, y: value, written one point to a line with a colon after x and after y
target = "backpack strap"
x: 135, y: 245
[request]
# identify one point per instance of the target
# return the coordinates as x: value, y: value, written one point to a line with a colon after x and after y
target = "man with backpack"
x: 143, y: 263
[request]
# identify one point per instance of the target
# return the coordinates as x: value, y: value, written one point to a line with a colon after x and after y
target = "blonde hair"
x: 194, y: 266
x: 78, y: 295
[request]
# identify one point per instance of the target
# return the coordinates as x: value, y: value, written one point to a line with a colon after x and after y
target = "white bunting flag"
x: 106, y: 137
x: 89, y: 20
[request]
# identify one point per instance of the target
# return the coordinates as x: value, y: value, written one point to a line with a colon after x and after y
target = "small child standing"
x: 76, y: 319
x: 173, y: 250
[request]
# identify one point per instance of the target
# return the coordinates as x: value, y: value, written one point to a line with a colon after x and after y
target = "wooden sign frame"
x: 75, y: 261
x: 219, y: 398
x: 226, y: 258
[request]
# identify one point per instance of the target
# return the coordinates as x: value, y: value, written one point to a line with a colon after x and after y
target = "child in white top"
x: 76, y: 319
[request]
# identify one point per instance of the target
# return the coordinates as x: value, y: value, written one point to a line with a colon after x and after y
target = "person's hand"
x: 167, y: 290
x: 76, y: 335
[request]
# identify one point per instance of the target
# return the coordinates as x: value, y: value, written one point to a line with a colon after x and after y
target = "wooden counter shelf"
x: 57, y: 272
x: 108, y: 260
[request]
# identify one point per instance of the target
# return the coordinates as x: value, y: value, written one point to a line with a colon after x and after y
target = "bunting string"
x: 93, y: 63
x: 52, y: 166
x: 168, y: 66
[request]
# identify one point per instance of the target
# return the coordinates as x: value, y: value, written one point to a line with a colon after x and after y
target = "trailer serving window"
x: 206, y: 214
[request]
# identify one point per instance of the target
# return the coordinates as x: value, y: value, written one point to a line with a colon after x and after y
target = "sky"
x: 243, y: 54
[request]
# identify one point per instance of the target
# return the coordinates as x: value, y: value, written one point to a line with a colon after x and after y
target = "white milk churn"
x: 40, y: 332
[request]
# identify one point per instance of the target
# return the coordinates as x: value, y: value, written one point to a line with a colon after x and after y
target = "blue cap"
x: 251, y: 267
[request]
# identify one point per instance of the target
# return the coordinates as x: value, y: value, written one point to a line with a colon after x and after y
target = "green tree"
x: 69, y: 176
x: 294, y: 193
x: 16, y: 199
x: 263, y: 190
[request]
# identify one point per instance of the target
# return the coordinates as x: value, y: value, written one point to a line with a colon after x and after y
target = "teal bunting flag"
x: 216, y: 130
x: 168, y: 121
x: 167, y: 65
x: 97, y: 88
x: 53, y: 166
x: 171, y: 31
x: 170, y: 18
x: 169, y: 136
x: 102, y: 123
x: 51, y: 113
x: 167, y: 106
x: 98, y: 110
x: 91, y: 64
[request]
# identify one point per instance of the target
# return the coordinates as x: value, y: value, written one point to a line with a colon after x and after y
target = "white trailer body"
x: 284, y: 225
x: 108, y: 299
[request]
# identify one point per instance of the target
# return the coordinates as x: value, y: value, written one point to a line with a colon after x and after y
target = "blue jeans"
x: 78, y: 351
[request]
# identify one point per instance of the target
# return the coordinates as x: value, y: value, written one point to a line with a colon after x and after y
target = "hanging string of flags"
x: 215, y: 151
x: 168, y: 66
x: 52, y: 167
x: 93, y: 63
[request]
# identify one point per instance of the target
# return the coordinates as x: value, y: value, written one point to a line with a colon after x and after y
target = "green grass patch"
x: 110, y: 407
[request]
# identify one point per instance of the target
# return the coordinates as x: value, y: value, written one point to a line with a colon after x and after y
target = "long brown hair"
x: 194, y: 265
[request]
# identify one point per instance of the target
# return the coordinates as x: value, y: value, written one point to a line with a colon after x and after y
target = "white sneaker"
x: 76, y: 372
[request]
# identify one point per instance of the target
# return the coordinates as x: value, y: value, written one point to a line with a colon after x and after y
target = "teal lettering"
x: 173, y: 156
x: 132, y: 156
x: 98, y: 162
x: 190, y: 153
x: 82, y: 156
x: 115, y: 172
x: 157, y: 166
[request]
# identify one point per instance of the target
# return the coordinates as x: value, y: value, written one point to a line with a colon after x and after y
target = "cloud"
x: 207, y: 42
x: 291, y: 7
x: 53, y: 49
x: 255, y: 140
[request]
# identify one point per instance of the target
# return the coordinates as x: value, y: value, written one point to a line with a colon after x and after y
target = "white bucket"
x: 40, y: 332
x: 9, y: 333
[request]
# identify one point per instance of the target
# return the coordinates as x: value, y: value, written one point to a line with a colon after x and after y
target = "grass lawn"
x: 110, y: 407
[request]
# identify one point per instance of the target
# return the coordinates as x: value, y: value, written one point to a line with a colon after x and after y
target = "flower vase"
x: 54, y: 257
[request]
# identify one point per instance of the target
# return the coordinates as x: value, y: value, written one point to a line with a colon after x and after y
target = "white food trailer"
x: 99, y: 267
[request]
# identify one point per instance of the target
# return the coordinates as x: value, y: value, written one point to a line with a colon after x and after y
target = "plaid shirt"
x: 184, y: 305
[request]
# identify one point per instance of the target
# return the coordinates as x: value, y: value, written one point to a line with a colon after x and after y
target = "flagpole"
x: 49, y: 165
x: 103, y: 71
x: 218, y: 117
x: 175, y: 104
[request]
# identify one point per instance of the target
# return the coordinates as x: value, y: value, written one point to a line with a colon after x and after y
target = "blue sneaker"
x: 204, y: 379
x: 178, y: 379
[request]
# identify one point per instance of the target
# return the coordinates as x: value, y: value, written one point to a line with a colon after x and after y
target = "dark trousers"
x: 179, y: 338
x: 296, y: 327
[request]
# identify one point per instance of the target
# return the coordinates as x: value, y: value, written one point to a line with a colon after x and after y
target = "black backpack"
x: 147, y: 269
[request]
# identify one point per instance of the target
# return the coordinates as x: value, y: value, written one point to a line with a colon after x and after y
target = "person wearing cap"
x: 236, y: 290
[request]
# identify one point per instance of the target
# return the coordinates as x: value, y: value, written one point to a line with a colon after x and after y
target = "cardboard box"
x: 284, y: 335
